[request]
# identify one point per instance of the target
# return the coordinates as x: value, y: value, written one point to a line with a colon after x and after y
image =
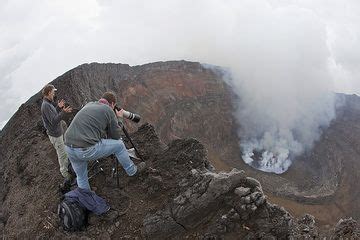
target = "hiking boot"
x: 111, y: 215
x: 141, y: 167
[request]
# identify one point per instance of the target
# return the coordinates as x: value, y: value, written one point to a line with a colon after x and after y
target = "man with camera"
x: 52, y: 114
x: 95, y: 132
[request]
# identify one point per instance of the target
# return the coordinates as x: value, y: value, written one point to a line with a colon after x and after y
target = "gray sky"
x: 40, y: 40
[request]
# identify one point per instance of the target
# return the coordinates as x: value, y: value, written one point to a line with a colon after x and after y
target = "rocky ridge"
x: 179, y: 196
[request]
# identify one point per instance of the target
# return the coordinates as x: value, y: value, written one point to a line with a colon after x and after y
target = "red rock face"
x: 180, y: 99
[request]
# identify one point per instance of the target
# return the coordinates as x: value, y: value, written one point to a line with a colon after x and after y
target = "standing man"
x: 52, y: 114
x: 95, y: 133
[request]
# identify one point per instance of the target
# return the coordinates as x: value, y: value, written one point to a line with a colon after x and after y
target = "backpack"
x: 73, y: 217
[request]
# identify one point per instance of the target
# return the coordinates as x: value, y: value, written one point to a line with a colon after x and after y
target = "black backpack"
x: 73, y: 217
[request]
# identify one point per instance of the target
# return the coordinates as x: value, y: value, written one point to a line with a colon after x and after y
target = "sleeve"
x: 52, y: 116
x: 114, y: 129
x: 58, y: 109
x: 120, y: 122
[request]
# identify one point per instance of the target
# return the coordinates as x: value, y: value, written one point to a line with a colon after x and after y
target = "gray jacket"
x: 92, y: 123
x: 51, y: 117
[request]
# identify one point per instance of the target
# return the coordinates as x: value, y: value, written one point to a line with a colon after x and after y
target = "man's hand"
x: 119, y: 113
x: 67, y: 109
x: 61, y: 103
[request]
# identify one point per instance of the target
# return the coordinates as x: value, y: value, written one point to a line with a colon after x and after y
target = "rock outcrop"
x: 221, y: 205
x: 346, y: 229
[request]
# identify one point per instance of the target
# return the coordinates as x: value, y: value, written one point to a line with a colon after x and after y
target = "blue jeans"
x: 79, y: 158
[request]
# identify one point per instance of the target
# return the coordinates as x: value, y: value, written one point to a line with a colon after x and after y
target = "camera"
x: 129, y: 115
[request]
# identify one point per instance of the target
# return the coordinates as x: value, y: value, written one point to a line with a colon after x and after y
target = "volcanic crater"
x: 189, y: 135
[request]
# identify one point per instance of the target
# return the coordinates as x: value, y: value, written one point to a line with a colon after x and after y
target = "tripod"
x: 115, y: 169
x: 99, y: 168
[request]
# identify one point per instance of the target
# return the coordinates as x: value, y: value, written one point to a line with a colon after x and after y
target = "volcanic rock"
x: 346, y: 229
x: 187, y: 135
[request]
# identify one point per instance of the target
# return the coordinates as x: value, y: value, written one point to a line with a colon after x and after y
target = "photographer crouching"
x: 95, y: 133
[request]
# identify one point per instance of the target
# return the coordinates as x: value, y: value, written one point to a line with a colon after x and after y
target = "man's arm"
x: 56, y: 106
x: 51, y: 115
x: 61, y: 106
x: 114, y: 129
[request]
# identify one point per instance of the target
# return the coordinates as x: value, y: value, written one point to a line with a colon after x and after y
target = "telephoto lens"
x: 129, y: 115
x: 132, y: 116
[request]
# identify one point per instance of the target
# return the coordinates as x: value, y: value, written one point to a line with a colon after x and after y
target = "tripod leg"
x: 128, y: 137
x: 101, y: 170
x: 93, y: 165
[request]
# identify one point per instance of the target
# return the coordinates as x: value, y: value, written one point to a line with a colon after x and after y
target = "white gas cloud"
x: 287, y: 57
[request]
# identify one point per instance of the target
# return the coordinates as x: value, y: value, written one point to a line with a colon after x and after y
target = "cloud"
x: 286, y: 57
x: 36, y: 45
